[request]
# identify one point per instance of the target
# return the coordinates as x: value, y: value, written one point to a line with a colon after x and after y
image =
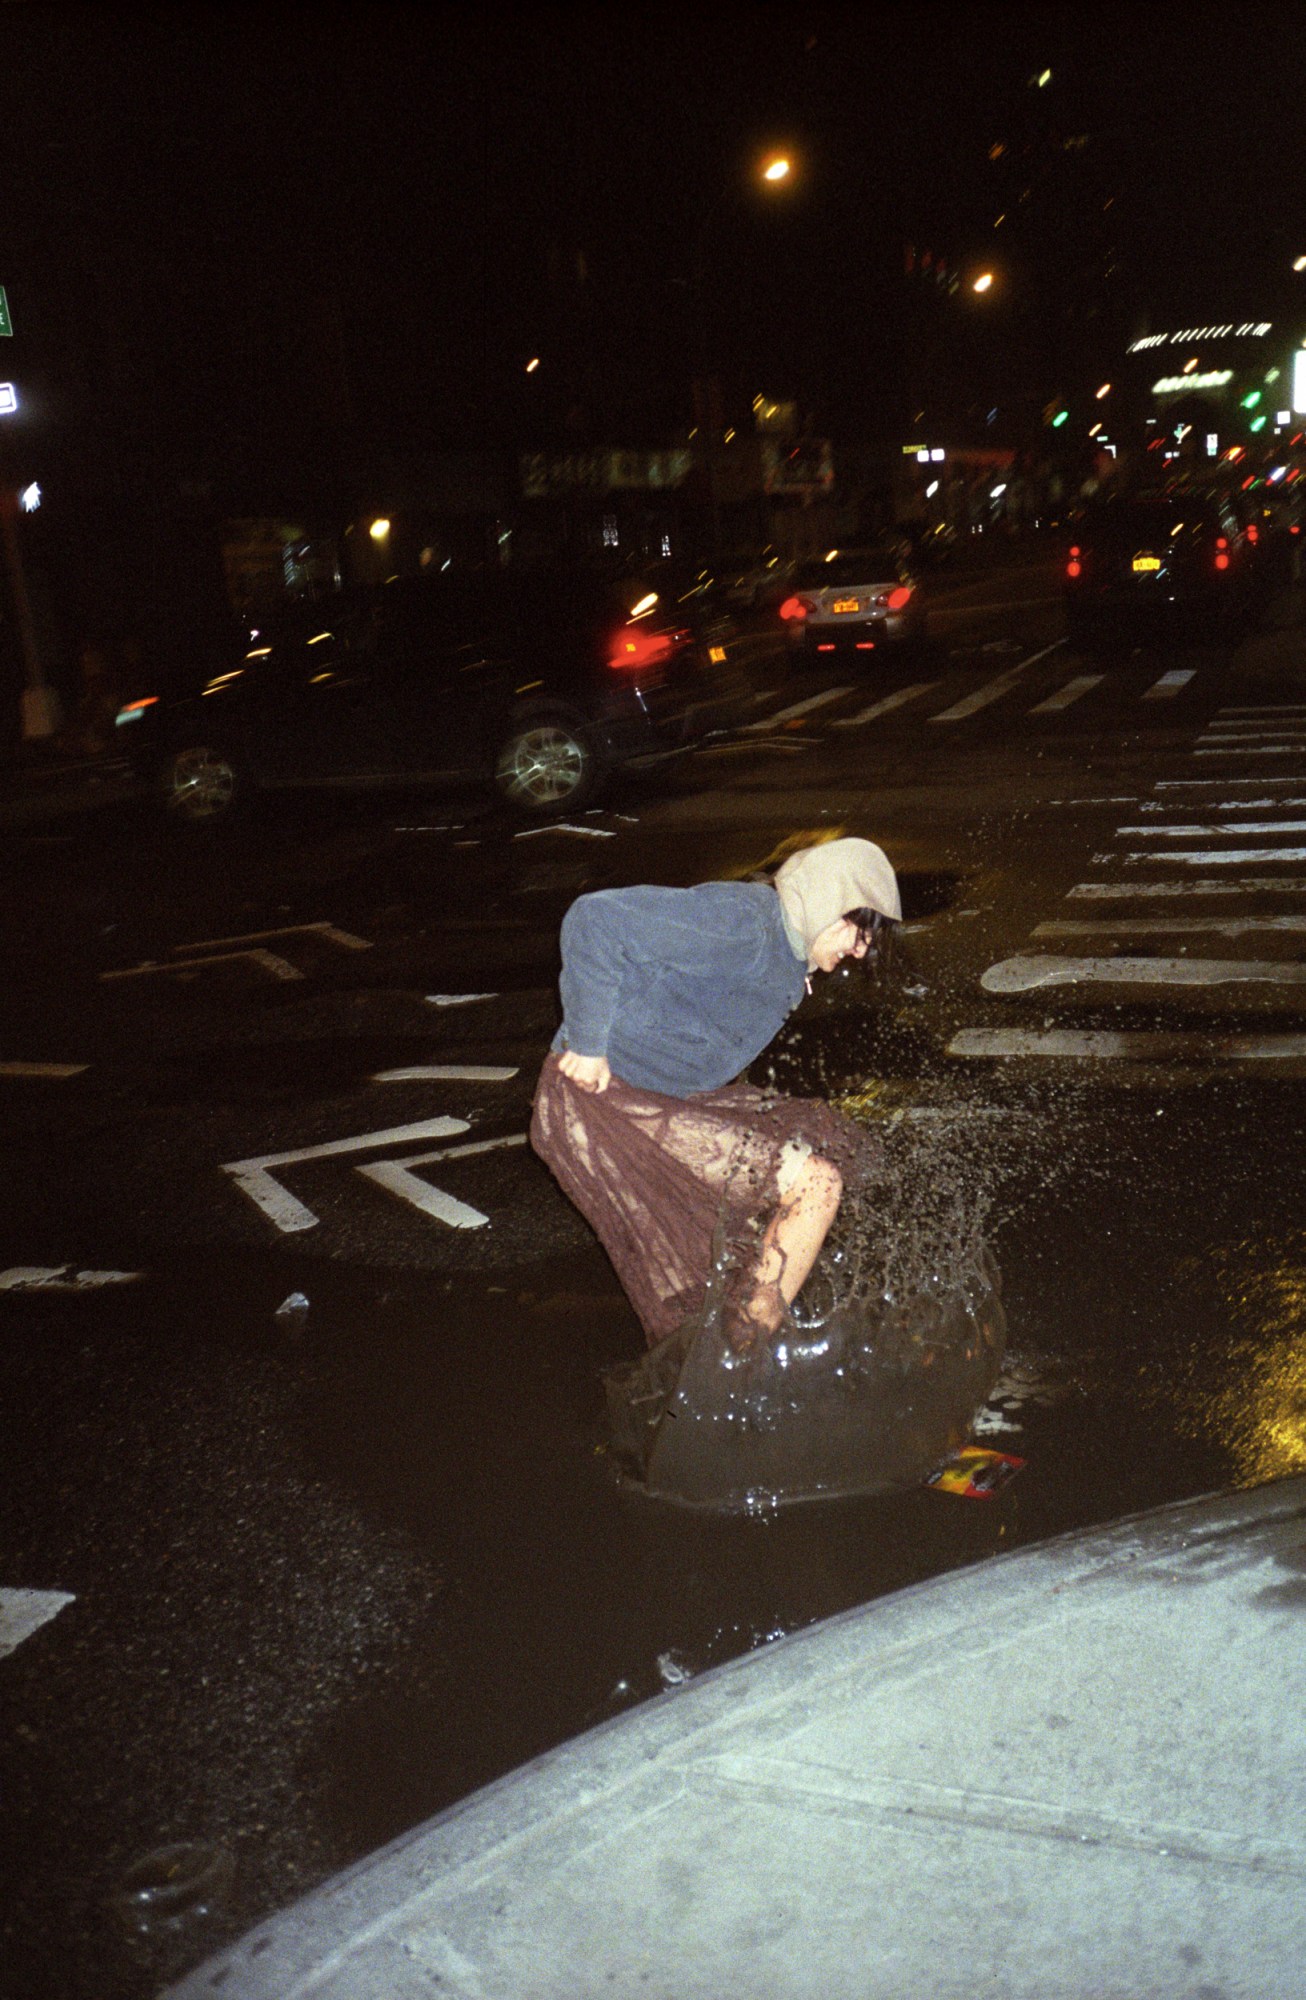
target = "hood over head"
x: 818, y: 885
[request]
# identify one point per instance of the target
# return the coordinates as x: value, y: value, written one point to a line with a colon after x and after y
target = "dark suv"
x: 540, y: 683
x: 1159, y: 559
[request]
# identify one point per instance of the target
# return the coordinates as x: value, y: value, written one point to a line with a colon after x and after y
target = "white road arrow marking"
x: 280, y: 1206
x: 395, y: 1176
x: 267, y: 961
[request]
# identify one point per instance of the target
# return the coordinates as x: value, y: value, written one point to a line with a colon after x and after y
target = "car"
x: 1160, y: 560
x: 538, y: 683
x: 855, y: 600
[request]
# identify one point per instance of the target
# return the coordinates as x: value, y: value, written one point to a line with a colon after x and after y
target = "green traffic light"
x: 1061, y: 417
x: 1250, y: 400
x: 1258, y: 423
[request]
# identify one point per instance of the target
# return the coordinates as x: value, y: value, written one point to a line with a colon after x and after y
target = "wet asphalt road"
x: 332, y: 1568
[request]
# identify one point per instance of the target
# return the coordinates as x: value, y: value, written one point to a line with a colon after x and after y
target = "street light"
x: 1105, y: 390
x: 984, y: 282
x: 777, y: 169
x: 1299, y: 264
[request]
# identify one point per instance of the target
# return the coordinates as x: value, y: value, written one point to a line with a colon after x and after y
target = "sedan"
x: 853, y: 600
x: 540, y: 684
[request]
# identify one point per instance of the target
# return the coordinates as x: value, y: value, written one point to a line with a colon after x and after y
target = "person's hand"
x: 586, y: 1072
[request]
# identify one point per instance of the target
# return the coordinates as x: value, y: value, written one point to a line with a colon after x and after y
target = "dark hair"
x: 873, y: 927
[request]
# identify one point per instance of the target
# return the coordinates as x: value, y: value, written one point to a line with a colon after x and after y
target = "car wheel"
x: 547, y: 764
x: 202, y: 785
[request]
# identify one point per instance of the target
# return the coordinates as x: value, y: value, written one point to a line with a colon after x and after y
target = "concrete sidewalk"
x: 1073, y: 1771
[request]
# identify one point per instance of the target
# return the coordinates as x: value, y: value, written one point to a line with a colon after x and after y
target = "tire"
x: 202, y: 784
x: 547, y: 764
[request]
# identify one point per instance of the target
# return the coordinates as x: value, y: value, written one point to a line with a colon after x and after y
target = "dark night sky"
x: 241, y: 196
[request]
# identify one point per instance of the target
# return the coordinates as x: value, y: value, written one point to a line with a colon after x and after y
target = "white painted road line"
x: 1034, y: 974
x: 23, y: 1612
x: 267, y: 961
x: 57, y: 1278
x: 1249, y: 885
x: 1203, y: 857
x: 445, y: 1072
x: 1129, y: 1045
x: 1285, y: 708
x: 1220, y: 784
x: 457, y: 999
x: 53, y: 1070
x: 890, y: 702
x: 1152, y: 926
x: 990, y: 692
x: 798, y: 708
x: 1072, y: 691
x: 396, y: 1178
x: 1169, y: 684
x: 254, y: 1179
x: 1216, y: 832
x: 345, y: 939
x: 566, y: 826
x: 1252, y: 750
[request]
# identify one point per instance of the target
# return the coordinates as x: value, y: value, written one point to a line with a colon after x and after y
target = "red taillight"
x: 633, y: 648
x: 1221, y: 552
x: 897, y: 598
x: 1253, y: 533
x: 1074, y: 567
x: 794, y: 607
x: 1294, y: 529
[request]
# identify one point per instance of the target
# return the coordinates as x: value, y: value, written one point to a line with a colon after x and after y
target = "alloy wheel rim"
x: 544, y: 766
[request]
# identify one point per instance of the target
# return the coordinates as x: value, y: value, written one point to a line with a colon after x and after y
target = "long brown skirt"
x: 670, y: 1184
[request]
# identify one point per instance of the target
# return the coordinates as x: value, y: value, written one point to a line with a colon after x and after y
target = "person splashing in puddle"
x: 668, y: 995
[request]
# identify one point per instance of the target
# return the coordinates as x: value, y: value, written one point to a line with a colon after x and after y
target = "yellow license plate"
x: 1147, y: 562
x: 846, y: 604
x: 716, y: 654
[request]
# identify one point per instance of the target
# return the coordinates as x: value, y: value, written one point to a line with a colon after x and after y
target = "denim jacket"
x: 679, y: 988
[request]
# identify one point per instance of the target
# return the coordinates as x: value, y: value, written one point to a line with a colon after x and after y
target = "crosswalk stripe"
x: 990, y: 692
x: 1153, y: 926
x: 23, y: 1612
x: 1072, y: 691
x: 1250, y: 885
x: 1033, y: 973
x: 1169, y: 684
x: 890, y: 701
x: 797, y: 708
x: 1267, y: 708
x: 1249, y: 750
x: 1205, y: 857
x: 1216, y: 832
x: 1138, y: 1045
x: 1223, y: 784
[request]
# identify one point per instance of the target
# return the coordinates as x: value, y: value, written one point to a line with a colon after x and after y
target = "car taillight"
x: 1074, y: 567
x: 632, y: 648
x: 134, y: 710
x: 894, y: 600
x: 795, y: 607
x: 1253, y: 532
x: 1221, y: 552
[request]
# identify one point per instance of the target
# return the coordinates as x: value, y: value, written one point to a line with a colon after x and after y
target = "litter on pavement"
x: 974, y: 1473
x: 293, y: 1307
x: 457, y: 999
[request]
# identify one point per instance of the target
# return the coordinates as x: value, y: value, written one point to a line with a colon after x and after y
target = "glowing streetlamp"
x: 1299, y: 263
x: 1105, y: 390
x: 777, y: 169
x: 983, y: 283
x: 379, y: 529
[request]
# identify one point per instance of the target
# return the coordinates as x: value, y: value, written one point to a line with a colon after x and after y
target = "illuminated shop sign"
x: 1251, y: 329
x: 1175, y: 385
x: 1299, y: 382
